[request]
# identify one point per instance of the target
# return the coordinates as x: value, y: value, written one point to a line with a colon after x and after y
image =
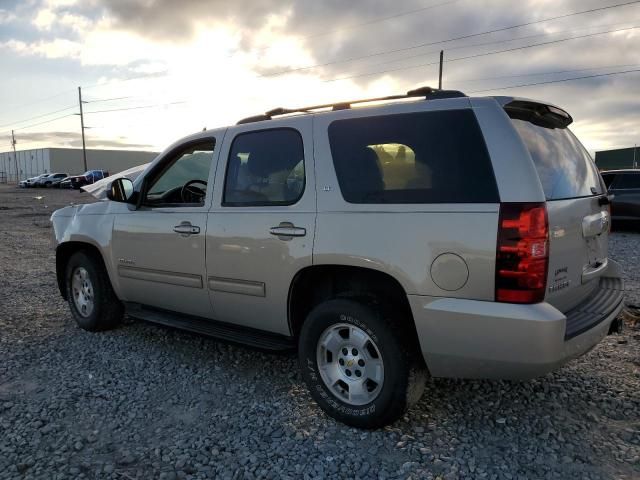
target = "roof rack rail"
x: 427, y: 92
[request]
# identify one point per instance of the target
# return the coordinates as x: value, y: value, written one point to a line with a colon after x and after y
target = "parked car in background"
x: 56, y: 182
x: 47, y: 180
x: 29, y: 182
x: 64, y: 183
x: 88, y: 177
x: 625, y: 187
x: 100, y: 188
x: 38, y: 182
x: 455, y: 236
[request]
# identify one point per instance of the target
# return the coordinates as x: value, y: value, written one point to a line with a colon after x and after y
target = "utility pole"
x: 440, y: 74
x: 635, y: 149
x: 84, y: 148
x: 15, y: 156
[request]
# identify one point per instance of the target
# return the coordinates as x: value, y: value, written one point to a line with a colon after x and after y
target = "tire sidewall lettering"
x: 345, y: 317
x: 322, y: 389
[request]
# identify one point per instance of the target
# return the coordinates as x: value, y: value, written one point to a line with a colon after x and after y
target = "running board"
x: 224, y: 331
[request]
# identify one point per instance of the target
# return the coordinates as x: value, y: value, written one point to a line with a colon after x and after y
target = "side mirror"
x: 120, y: 190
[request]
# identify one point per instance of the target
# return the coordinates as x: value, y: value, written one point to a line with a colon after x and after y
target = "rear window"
x: 425, y: 157
x: 564, y: 167
x: 627, y: 180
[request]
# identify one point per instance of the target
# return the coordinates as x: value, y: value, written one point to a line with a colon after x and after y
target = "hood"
x: 99, y: 189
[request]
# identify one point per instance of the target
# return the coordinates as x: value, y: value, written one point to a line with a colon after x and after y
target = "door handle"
x: 185, y: 228
x: 286, y: 230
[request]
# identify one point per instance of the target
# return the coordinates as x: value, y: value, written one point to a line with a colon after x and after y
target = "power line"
x: 42, y: 99
x: 556, y: 81
x: 368, y: 22
x: 381, y: 19
x: 473, y: 45
x: 135, y: 108
x: 471, y: 80
x: 461, y: 37
x: 100, y: 100
x: 97, y: 111
x: 122, y: 80
x: 37, y: 116
x: 495, y: 52
x: 46, y: 121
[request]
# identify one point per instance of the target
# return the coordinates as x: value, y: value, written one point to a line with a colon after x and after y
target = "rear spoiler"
x: 540, y: 114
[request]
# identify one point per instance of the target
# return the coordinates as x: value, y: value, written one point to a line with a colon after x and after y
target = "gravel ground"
x: 144, y: 401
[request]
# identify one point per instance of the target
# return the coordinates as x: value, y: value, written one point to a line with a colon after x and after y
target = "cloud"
x: 219, y: 54
x: 6, y: 16
x: 44, y: 19
x: 168, y: 20
x: 72, y: 139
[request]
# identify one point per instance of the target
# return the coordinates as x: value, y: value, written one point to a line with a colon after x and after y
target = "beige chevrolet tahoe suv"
x: 385, y: 239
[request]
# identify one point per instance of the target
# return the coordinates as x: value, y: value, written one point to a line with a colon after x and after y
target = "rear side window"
x: 425, y: 157
x: 564, y: 167
x: 627, y: 180
x: 265, y: 167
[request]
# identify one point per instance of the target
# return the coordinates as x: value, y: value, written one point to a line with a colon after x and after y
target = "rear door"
x: 578, y: 223
x: 260, y: 230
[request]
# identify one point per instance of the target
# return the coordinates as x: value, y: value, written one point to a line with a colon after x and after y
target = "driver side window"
x: 183, y: 179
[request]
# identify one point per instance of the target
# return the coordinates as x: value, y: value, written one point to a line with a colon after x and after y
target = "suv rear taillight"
x: 522, y: 256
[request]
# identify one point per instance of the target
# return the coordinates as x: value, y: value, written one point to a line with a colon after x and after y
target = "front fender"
x: 84, y: 226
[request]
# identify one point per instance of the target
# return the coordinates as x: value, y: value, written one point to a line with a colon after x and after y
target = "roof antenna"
x: 440, y: 74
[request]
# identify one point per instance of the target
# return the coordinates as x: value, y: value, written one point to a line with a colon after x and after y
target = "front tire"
x: 91, y: 298
x: 358, y: 364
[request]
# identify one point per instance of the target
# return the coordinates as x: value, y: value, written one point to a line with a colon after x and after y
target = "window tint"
x: 564, y: 167
x: 627, y: 180
x: 427, y: 157
x: 608, y: 178
x: 265, y: 168
x: 189, y: 165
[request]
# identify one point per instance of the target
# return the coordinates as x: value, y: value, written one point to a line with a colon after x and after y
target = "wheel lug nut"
x: 358, y: 373
x: 341, y: 361
x: 345, y: 351
x: 361, y: 362
x: 354, y: 352
x: 348, y: 372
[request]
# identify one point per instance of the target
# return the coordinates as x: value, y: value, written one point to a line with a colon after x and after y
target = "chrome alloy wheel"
x: 350, y: 364
x: 82, y: 291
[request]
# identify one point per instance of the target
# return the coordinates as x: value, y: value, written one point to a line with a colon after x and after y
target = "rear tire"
x: 358, y: 364
x: 91, y: 298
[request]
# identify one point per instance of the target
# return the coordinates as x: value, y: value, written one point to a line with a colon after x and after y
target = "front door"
x: 260, y: 229
x: 160, y: 247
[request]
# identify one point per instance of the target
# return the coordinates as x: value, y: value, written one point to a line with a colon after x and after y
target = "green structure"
x: 619, y: 158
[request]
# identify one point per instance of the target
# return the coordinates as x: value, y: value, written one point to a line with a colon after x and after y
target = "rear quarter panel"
x: 402, y: 240
x: 405, y: 244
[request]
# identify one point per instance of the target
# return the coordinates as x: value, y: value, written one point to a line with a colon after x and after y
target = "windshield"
x: 564, y: 167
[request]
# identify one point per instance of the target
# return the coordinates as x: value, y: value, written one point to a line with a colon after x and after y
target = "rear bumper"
x: 475, y: 339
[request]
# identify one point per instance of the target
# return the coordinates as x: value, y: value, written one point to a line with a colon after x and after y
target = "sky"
x: 153, y: 71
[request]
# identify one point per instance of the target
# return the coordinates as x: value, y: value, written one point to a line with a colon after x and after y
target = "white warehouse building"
x: 67, y: 160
